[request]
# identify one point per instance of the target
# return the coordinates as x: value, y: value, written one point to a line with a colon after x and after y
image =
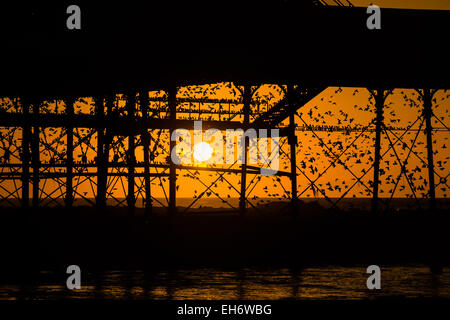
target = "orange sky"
x: 406, y: 4
x: 332, y: 107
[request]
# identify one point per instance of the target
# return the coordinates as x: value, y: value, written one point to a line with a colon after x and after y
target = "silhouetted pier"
x: 303, y: 49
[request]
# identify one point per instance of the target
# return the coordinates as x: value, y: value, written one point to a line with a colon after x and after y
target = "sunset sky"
x: 334, y: 106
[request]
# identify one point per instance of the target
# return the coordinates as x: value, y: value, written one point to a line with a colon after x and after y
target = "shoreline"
x: 51, y: 238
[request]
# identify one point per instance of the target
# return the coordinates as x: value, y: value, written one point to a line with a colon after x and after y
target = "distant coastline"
x: 215, y: 203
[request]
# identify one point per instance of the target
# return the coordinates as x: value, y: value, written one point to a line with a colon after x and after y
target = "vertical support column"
x: 144, y: 102
x: 26, y: 137
x: 35, y: 153
x: 102, y: 158
x: 69, y: 157
x: 131, y: 106
x: 428, y: 112
x: 247, y: 97
x: 172, y: 100
x: 292, y: 139
x: 379, y: 103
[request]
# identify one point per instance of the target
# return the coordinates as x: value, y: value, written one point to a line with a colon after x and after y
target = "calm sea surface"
x: 331, y: 282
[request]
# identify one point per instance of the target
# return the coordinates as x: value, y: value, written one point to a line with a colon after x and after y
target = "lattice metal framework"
x: 85, y: 151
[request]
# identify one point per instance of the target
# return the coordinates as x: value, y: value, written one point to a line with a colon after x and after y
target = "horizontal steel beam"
x: 119, y: 124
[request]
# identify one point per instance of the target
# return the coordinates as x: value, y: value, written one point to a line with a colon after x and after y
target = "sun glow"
x: 202, y: 151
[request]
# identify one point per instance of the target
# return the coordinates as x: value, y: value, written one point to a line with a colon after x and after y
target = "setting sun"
x: 202, y: 151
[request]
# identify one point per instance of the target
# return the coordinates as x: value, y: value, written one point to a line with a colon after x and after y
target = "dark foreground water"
x: 332, y: 282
